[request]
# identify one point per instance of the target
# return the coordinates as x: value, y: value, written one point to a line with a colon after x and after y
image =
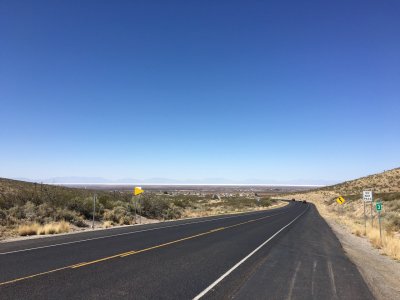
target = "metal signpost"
x: 137, y: 191
x: 94, y: 208
x: 367, y: 198
x: 378, y: 209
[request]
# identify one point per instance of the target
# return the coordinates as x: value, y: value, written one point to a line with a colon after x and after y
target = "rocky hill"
x: 385, y: 182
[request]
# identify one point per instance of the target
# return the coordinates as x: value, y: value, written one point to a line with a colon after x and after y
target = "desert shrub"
x: 182, y: 203
x: 107, y: 224
x: 154, y: 207
x: 3, y: 218
x: 118, y: 214
x: 171, y: 213
x: 394, y: 205
x: 5, y: 202
x: 17, y: 212
x: 65, y: 214
x: 80, y: 222
x: 106, y: 200
x: 264, y: 202
x: 71, y: 217
x: 30, y: 211
x: 125, y: 220
x: 392, y: 221
x: 83, y: 206
x: 45, y: 210
x: 387, y: 196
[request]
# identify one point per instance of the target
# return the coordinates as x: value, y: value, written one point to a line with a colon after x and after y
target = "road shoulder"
x: 381, y: 273
x: 308, y: 262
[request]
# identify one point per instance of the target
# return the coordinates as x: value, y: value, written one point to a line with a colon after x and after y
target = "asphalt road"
x: 285, y: 253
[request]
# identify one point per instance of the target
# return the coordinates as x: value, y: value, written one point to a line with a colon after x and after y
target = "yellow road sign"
x: 137, y: 190
x: 340, y: 200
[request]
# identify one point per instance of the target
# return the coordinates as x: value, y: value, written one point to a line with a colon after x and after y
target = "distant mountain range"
x: 100, y: 180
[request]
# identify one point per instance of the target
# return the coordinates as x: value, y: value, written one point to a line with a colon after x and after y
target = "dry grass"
x: 390, y: 245
x: 37, y: 229
x: 107, y: 224
x: 28, y: 229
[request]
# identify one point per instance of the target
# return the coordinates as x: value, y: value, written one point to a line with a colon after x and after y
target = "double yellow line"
x: 134, y: 252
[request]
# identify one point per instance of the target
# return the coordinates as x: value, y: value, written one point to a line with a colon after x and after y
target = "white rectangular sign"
x: 367, y: 196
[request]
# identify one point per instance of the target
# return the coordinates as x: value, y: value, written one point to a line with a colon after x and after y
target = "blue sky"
x: 282, y: 90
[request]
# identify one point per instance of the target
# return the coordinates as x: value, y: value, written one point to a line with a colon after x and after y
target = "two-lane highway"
x: 213, y: 257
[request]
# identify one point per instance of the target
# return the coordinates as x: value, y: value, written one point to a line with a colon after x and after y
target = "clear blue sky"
x: 199, y: 89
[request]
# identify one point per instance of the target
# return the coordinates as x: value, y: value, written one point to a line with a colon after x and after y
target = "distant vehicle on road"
x: 293, y: 199
x: 304, y: 201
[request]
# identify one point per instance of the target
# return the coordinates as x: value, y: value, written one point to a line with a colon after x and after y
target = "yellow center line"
x: 133, y: 252
x: 95, y: 261
x: 127, y: 253
x: 34, y: 275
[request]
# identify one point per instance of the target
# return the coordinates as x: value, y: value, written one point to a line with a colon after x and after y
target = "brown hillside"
x: 385, y: 182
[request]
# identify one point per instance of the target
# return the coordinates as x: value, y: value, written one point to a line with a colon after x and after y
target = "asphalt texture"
x: 300, y: 258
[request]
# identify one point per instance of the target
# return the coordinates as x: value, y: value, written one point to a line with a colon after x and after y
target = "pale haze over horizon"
x: 241, y: 91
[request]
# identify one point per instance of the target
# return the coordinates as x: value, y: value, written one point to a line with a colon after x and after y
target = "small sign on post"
x: 378, y: 207
x: 367, y: 196
x: 340, y: 200
x: 137, y: 191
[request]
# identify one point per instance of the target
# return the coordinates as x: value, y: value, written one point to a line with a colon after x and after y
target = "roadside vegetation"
x: 36, y: 209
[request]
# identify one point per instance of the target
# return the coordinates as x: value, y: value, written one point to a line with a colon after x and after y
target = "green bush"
x: 30, y: 211
x: 3, y: 218
x: 118, y: 214
x: 265, y: 202
x: 70, y: 216
x: 17, y: 212
x: 182, y: 203
x: 45, y: 210
x: 154, y: 207
x: 83, y: 206
x: 171, y: 213
x: 392, y: 221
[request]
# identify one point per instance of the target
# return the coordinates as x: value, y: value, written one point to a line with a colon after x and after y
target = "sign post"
x: 340, y: 200
x: 137, y: 191
x: 367, y: 198
x: 371, y: 209
x: 378, y: 209
x: 94, y: 208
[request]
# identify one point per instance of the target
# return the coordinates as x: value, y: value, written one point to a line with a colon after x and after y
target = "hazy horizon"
x: 169, y: 181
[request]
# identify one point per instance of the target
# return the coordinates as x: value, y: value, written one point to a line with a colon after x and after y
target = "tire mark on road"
x: 313, y: 277
x: 332, y: 277
x: 292, y: 282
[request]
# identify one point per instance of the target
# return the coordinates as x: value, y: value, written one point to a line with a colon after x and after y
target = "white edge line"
x: 244, y: 259
x: 127, y: 233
